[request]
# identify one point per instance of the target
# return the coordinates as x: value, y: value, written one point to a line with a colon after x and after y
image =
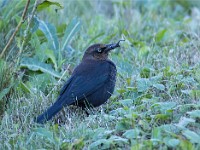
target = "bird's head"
x: 100, y: 51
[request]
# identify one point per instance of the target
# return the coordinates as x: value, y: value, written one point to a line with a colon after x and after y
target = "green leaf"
x: 156, y: 134
x: 123, y: 125
x: 164, y: 105
x: 4, y: 92
x: 45, y: 133
x: 101, y: 133
x: 172, y: 142
x: 35, y: 25
x: 143, y: 84
x: 192, y: 136
x: 170, y: 128
x: 160, y: 117
x: 101, y: 143
x: 40, y: 82
x: 78, y: 144
x: 188, y: 92
x: 194, y: 113
x: 144, y: 51
x: 193, y: 93
x: 50, y: 33
x: 132, y: 133
x: 35, y: 65
x: 23, y: 87
x: 160, y: 35
x: 145, y: 73
x: 117, y: 112
x: 186, y: 145
x: 121, y: 90
x: 72, y: 29
x: 118, y: 140
x: 45, y: 4
x: 183, y: 122
x: 126, y: 102
x: 108, y: 117
x: 197, y: 74
x: 50, y: 54
x: 159, y: 86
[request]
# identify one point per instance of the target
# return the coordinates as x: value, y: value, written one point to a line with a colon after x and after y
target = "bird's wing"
x: 80, y: 87
x: 66, y: 85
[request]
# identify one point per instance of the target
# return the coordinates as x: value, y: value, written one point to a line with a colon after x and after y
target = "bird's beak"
x: 109, y: 47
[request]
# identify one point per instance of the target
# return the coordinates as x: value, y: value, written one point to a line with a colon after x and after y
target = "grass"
x: 156, y: 100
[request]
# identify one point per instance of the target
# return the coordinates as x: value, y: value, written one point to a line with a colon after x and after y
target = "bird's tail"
x: 49, y: 113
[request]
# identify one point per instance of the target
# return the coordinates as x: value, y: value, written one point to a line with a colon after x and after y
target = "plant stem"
x: 16, y: 29
x: 26, y: 31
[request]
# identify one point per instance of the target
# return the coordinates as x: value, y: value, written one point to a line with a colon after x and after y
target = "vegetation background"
x: 156, y: 101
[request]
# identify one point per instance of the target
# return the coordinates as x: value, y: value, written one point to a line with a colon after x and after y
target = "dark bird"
x: 91, y: 84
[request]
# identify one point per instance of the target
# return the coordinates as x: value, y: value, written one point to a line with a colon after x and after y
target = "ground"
x: 156, y: 100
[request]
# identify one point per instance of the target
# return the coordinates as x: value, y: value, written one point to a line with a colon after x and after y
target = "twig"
x: 16, y: 29
x: 58, y: 81
x: 26, y: 31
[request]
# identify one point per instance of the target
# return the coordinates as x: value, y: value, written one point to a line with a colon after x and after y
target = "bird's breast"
x: 105, y: 92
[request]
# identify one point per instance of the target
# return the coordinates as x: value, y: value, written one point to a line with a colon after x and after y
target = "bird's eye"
x: 99, y: 50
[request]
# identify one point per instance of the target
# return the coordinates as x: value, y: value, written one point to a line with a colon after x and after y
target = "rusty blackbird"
x: 91, y: 84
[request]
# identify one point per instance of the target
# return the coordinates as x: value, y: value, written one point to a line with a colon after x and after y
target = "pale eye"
x: 99, y: 50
